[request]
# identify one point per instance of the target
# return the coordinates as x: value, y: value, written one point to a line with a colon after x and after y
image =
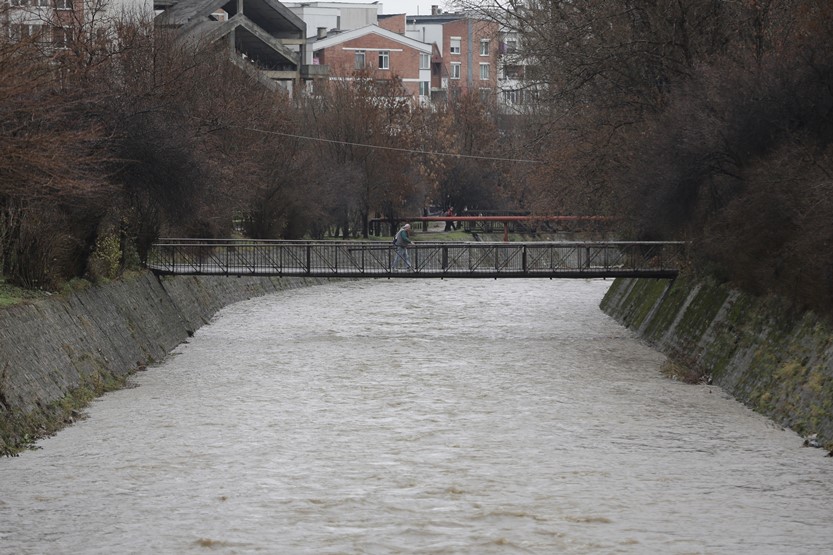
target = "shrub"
x: 105, y: 261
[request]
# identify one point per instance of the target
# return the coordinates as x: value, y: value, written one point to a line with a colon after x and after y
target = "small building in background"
x: 460, y: 52
x: 467, y: 51
x: 382, y: 53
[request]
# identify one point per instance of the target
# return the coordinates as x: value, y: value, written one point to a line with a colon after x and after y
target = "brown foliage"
x: 739, y: 160
x: 777, y: 235
x: 48, y: 149
x: 366, y: 126
x: 51, y: 152
x: 126, y: 131
x: 701, y: 120
x: 466, y: 126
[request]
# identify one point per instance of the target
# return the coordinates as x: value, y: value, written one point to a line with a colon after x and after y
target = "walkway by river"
x: 407, y: 416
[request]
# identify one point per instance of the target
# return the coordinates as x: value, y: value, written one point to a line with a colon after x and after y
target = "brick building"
x: 467, y: 51
x: 462, y: 51
x: 385, y: 53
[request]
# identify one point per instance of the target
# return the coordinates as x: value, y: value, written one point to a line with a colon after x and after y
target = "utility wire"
x: 382, y: 147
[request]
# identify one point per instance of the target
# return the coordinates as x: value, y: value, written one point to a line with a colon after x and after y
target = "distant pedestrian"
x: 449, y: 224
x: 402, y: 241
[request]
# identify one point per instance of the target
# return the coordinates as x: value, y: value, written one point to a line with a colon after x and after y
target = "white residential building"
x: 328, y: 17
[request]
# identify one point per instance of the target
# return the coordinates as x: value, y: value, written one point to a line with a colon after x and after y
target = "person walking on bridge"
x: 402, y: 241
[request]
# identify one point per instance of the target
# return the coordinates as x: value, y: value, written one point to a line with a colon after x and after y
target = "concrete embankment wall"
x: 769, y: 356
x: 58, y: 353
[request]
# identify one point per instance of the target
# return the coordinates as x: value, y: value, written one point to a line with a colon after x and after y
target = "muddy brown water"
x: 418, y: 416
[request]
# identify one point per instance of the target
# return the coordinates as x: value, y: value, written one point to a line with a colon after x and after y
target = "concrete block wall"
x: 768, y: 355
x: 50, y: 348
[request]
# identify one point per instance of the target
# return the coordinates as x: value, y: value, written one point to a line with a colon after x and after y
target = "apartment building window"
x: 424, y: 88
x: 484, y: 72
x: 384, y: 59
x: 511, y: 46
x: 513, y: 96
x: 63, y: 4
x: 61, y: 37
x: 19, y: 2
x: 41, y: 3
x: 424, y: 61
x: 484, y: 47
x: 360, y: 59
x: 454, y: 47
x: 455, y: 70
x: 512, y: 71
x: 20, y: 31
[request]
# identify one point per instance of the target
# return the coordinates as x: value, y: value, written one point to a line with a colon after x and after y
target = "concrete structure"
x: 764, y: 352
x: 264, y: 36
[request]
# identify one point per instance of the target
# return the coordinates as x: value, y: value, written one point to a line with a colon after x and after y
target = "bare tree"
x: 367, y: 126
x: 606, y: 70
x: 50, y: 155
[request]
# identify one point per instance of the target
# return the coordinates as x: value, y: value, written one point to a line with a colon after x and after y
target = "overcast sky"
x: 410, y: 6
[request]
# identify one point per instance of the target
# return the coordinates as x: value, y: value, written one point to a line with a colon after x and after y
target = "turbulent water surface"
x: 418, y: 417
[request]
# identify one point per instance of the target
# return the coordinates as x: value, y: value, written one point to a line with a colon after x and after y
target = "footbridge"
x: 375, y: 259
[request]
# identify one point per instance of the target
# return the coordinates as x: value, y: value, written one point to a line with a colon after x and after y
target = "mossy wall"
x: 770, y: 357
x: 58, y: 354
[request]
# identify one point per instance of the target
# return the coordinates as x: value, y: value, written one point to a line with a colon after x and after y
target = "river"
x: 418, y: 416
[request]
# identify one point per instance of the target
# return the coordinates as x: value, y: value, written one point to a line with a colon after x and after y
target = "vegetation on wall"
x: 769, y: 356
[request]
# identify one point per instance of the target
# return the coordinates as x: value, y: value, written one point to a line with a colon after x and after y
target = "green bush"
x: 105, y: 261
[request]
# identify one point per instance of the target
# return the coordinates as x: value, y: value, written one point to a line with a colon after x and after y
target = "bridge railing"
x: 429, y: 259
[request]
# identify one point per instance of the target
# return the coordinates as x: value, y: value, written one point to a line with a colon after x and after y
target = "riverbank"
x: 772, y: 358
x: 60, y: 353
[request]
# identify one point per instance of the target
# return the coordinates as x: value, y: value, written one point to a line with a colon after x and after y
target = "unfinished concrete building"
x: 263, y: 36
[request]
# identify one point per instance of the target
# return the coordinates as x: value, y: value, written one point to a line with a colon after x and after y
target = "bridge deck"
x: 372, y: 259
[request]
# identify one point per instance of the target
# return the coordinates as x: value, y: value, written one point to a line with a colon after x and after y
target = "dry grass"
x: 11, y: 295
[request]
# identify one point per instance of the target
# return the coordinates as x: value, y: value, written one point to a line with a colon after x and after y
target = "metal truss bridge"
x: 375, y: 259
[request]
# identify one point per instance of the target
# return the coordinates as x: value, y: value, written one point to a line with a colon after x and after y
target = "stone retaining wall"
x: 769, y: 356
x: 57, y: 353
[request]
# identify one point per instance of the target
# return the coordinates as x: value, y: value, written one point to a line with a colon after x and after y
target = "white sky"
x: 410, y: 6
